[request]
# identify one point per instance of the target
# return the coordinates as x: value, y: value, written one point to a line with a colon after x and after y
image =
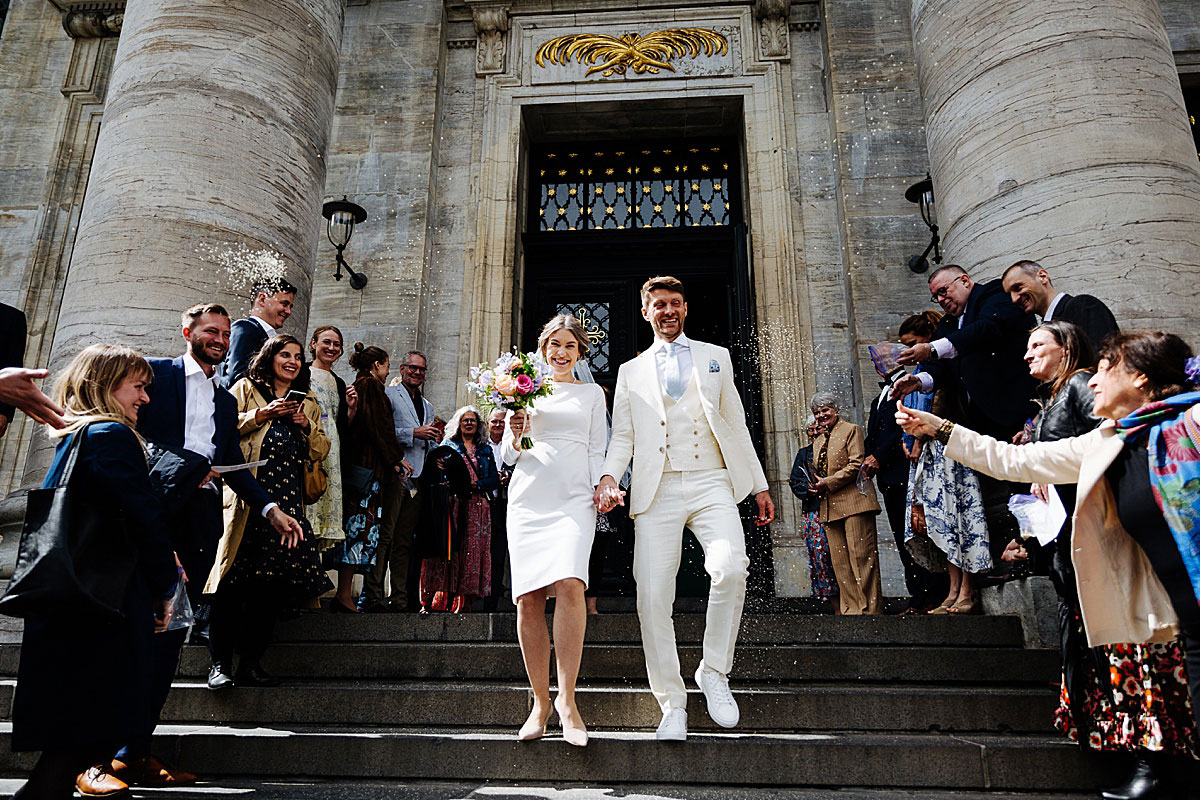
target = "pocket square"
x: 713, y: 366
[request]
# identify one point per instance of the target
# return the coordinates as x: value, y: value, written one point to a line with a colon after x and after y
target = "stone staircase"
x: 876, y: 702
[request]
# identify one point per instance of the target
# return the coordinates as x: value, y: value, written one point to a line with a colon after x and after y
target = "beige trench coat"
x: 237, y: 512
x: 1121, y: 598
x: 846, y: 453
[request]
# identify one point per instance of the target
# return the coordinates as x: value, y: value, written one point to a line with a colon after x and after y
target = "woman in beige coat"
x: 259, y: 576
x: 848, y: 514
x: 1130, y: 571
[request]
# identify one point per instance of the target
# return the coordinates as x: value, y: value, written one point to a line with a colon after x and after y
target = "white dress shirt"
x: 199, y: 409
x: 270, y: 331
x: 1053, y: 305
x: 683, y: 358
x: 944, y: 349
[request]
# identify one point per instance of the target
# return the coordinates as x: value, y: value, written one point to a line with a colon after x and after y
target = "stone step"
x: 938, y: 761
x: 763, y: 707
x: 319, y: 789
x: 626, y: 663
x: 794, y: 629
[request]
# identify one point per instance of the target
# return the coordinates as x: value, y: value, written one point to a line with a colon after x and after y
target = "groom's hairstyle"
x: 661, y: 282
x: 189, y: 317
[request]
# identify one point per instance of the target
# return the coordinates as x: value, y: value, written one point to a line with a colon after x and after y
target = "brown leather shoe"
x: 150, y: 771
x: 98, y: 781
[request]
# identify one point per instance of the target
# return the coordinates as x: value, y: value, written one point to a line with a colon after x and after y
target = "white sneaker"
x: 721, y: 706
x: 673, y: 727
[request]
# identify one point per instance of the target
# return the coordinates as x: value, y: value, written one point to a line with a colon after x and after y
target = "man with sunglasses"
x: 413, y: 417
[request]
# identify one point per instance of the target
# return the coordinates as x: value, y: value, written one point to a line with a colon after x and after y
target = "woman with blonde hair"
x: 552, y: 523
x: 338, y: 406
x: 101, y: 391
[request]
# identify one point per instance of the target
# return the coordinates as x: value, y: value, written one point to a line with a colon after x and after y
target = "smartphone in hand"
x: 295, y: 396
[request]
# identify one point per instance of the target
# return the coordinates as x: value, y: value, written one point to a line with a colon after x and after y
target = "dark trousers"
x: 242, y: 622
x: 198, y: 527
x: 499, y: 553
x: 925, y: 588
x: 401, y: 512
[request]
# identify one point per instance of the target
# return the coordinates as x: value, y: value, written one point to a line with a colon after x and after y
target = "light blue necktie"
x: 671, y: 374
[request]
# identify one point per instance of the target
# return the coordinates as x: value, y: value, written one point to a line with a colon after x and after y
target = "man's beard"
x: 200, y: 354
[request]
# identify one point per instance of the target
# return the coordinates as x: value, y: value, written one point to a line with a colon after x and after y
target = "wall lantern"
x: 921, y: 193
x: 343, y: 215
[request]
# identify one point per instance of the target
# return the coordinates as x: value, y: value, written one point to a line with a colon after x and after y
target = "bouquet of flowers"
x: 513, y: 383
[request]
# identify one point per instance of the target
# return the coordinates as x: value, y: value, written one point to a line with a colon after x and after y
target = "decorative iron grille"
x: 596, y: 319
x: 618, y: 189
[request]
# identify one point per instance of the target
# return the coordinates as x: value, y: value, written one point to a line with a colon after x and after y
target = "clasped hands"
x: 609, y: 495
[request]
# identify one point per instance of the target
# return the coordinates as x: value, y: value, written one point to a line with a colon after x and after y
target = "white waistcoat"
x: 691, y: 444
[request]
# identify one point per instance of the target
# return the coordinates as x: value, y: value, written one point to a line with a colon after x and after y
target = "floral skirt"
x: 362, y: 529
x: 820, y: 567
x: 469, y: 571
x: 1141, y: 704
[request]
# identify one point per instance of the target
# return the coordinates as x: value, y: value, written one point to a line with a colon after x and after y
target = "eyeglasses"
x: 414, y: 368
x: 944, y: 292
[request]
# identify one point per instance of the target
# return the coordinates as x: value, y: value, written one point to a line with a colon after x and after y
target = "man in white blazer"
x: 678, y: 415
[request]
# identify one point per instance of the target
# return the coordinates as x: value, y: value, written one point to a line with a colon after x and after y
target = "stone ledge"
x: 1031, y: 599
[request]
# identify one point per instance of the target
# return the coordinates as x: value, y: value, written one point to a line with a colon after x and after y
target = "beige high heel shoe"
x: 533, y: 727
x: 575, y: 736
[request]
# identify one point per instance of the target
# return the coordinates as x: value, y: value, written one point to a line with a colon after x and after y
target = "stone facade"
x: 428, y: 136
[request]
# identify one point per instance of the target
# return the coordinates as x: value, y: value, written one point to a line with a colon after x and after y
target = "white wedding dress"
x: 551, y: 518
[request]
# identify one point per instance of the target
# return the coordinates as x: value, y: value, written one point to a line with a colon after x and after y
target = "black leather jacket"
x: 1068, y: 413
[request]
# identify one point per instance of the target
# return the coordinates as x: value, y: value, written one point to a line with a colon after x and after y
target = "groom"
x: 678, y: 415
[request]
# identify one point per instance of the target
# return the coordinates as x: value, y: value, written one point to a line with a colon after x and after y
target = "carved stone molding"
x: 806, y: 27
x: 461, y: 44
x: 93, y: 24
x: 491, y: 28
x: 774, y: 39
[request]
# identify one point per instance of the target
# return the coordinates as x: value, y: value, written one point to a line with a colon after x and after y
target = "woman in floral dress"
x: 338, y: 405
x: 455, y: 583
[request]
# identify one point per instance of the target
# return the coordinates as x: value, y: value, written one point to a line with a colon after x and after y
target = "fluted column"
x: 1057, y: 132
x: 214, y: 135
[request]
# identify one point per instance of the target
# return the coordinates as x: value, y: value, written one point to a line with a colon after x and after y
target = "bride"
x: 551, y: 523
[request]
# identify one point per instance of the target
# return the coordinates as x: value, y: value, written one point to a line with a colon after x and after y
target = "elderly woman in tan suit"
x: 848, y: 514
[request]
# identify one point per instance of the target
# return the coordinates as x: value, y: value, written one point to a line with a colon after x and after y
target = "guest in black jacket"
x: 182, y: 384
x: 979, y: 348
x: 80, y: 682
x: 1028, y: 285
x: 12, y: 352
x: 887, y: 463
x: 271, y: 307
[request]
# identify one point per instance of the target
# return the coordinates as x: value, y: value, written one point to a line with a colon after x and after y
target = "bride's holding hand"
x: 551, y: 524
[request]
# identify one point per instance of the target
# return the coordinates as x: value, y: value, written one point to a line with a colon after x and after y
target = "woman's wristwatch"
x: 944, y: 431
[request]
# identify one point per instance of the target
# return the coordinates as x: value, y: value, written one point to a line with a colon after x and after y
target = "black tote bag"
x: 73, y: 557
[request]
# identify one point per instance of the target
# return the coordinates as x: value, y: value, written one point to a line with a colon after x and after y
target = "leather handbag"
x: 316, y: 481
x: 73, y: 557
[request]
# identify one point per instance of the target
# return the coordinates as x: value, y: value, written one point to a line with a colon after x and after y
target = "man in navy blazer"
x: 978, y: 349
x: 271, y: 307
x: 187, y: 409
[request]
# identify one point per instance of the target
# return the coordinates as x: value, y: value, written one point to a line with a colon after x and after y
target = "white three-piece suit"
x: 678, y: 415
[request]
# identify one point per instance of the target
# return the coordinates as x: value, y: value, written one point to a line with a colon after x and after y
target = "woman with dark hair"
x: 338, y: 405
x: 945, y: 527
x: 83, y: 670
x: 374, y: 465
x: 1136, y: 544
x: 456, y: 576
x: 258, y: 575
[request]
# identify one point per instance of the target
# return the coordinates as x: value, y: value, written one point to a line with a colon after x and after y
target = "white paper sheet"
x: 235, y: 467
x: 1039, y: 520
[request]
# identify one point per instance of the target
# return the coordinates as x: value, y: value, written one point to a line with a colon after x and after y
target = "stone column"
x: 1057, y: 132
x: 215, y: 131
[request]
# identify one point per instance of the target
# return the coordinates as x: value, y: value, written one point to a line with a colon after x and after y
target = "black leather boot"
x: 1144, y: 783
x: 252, y: 674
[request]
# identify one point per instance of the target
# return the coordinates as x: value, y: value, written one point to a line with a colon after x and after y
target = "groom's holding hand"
x: 678, y: 415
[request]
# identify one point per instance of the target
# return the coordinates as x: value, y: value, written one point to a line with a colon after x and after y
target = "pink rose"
x: 524, y: 384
